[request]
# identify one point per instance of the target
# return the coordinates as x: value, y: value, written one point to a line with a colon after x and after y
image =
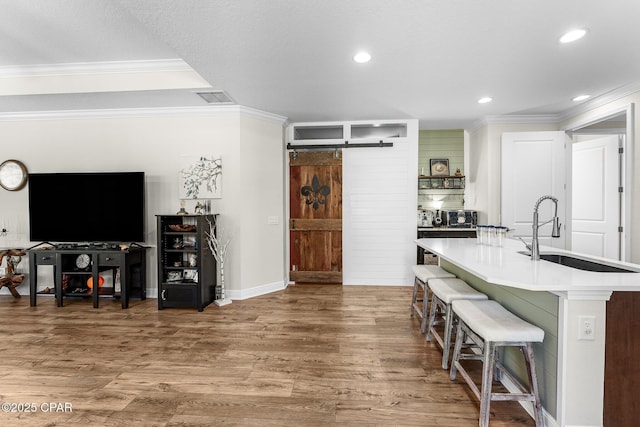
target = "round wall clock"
x: 13, y: 175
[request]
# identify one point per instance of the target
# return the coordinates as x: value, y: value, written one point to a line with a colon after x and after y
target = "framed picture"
x: 174, y: 276
x: 439, y: 167
x: 191, y: 275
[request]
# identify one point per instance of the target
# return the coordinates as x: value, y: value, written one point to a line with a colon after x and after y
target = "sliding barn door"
x: 315, y: 212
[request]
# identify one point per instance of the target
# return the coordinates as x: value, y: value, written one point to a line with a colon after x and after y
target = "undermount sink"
x: 581, y: 263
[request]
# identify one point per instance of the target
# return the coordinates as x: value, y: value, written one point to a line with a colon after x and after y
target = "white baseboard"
x: 256, y: 291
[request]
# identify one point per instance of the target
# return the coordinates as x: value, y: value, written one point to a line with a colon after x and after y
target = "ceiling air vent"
x: 216, y: 97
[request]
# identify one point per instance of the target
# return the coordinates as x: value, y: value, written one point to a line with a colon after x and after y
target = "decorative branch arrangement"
x: 219, y: 245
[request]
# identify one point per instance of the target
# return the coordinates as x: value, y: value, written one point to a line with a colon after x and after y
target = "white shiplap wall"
x: 379, y: 212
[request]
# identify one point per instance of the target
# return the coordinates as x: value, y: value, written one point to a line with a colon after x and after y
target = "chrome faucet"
x: 555, y: 232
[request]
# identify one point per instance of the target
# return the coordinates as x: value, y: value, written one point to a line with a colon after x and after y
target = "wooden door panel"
x: 315, y: 217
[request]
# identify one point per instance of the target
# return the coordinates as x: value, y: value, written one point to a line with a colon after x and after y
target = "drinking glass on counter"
x: 500, y: 235
x: 479, y: 234
x: 491, y: 235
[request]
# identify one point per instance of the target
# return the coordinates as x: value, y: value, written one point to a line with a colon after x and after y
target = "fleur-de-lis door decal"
x: 316, y: 194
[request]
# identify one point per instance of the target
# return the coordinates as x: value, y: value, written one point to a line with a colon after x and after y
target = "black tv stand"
x: 131, y: 262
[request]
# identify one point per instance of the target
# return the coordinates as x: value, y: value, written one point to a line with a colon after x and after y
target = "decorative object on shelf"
x: 201, y: 178
x: 439, y: 167
x: 193, y: 260
x: 219, y: 245
x: 90, y: 282
x: 13, y: 175
x: 445, y: 183
x: 199, y: 209
x: 83, y: 261
x: 458, y: 173
x: 182, y: 227
x: 182, y: 210
x: 316, y: 194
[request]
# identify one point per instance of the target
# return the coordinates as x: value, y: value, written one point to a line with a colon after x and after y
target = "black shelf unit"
x: 186, y: 267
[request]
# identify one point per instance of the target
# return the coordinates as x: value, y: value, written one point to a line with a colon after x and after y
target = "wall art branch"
x: 201, y: 178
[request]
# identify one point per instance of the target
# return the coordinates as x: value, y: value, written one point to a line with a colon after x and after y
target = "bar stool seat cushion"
x: 449, y: 290
x: 492, y: 322
x: 428, y: 272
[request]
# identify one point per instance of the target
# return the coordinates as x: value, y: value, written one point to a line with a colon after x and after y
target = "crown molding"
x: 99, y: 67
x: 585, y: 107
x: 601, y: 100
x: 513, y: 119
x: 208, y: 110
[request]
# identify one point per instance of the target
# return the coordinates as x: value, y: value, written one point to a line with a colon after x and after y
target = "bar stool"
x: 443, y: 293
x: 424, y: 273
x: 489, y: 326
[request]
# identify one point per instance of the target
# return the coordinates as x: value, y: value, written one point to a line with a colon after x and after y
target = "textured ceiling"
x: 432, y: 59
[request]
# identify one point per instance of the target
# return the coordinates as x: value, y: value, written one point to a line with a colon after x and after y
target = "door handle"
x: 163, y: 296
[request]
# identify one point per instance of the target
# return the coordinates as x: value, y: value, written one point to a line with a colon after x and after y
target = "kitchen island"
x: 559, y: 299
x: 440, y: 232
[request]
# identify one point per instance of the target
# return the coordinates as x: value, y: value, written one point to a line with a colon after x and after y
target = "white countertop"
x: 505, y: 266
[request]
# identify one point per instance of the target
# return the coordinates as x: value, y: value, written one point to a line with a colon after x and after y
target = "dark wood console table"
x: 130, y: 261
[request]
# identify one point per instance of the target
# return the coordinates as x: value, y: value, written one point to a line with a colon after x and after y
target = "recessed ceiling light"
x: 581, y: 98
x: 573, y: 35
x: 362, y: 57
x: 485, y: 100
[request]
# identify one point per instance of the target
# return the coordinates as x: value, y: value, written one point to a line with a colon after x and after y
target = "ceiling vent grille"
x: 218, y: 97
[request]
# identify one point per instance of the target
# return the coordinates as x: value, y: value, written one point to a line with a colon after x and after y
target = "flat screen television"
x: 96, y: 207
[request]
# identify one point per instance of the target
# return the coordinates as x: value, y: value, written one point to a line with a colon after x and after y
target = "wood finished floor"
x: 307, y: 356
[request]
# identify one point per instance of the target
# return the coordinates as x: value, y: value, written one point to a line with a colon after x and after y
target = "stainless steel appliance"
x: 428, y: 218
x: 461, y: 218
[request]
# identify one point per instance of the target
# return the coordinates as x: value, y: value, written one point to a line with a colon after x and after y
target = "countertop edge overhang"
x: 505, y: 266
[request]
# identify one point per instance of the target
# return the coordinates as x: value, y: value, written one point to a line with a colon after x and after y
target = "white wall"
x: 152, y: 141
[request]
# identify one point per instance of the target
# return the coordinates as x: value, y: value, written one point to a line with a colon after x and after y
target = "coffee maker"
x: 461, y: 218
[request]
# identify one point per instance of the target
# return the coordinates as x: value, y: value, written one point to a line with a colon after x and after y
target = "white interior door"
x: 533, y: 165
x: 595, y: 197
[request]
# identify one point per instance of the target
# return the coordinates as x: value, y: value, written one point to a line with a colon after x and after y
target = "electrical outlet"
x: 587, y: 328
x: 273, y: 220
